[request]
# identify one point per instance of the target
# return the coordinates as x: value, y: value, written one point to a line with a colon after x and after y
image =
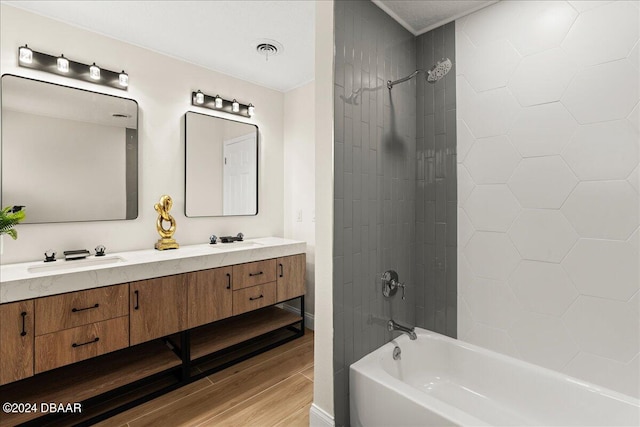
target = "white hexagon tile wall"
x: 548, y: 147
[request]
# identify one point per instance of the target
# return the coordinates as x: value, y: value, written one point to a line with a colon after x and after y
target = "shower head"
x: 439, y: 70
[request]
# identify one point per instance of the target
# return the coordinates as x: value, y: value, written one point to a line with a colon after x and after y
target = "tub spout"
x: 393, y: 326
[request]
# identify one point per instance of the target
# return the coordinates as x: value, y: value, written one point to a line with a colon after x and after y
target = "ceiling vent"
x: 269, y: 48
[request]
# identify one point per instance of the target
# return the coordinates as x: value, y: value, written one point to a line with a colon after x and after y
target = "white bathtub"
x: 442, y: 381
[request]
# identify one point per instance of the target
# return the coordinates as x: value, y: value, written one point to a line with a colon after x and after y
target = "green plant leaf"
x: 8, y: 220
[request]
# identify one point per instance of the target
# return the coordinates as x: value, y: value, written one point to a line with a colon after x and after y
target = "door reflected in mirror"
x: 221, y: 166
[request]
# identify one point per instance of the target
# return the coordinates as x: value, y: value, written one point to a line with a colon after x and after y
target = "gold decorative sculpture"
x: 166, y: 241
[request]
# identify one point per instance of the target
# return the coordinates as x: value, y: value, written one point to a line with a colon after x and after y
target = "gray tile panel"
x: 395, y: 202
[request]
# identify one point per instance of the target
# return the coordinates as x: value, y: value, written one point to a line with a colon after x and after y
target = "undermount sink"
x: 62, y: 265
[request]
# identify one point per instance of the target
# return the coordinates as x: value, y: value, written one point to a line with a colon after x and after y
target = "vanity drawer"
x: 254, y: 297
x: 84, y: 342
x: 254, y: 273
x: 66, y: 311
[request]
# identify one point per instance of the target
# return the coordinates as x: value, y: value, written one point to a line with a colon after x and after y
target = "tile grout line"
x: 258, y: 364
x: 306, y: 407
x: 254, y: 396
x: 170, y: 403
x: 213, y: 383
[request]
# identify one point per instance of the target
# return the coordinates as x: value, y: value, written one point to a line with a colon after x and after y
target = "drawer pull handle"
x: 74, y: 345
x: 228, y: 281
x: 255, y: 274
x: 253, y: 299
x: 281, y: 270
x: 24, y: 316
x: 75, y: 310
x: 137, y: 306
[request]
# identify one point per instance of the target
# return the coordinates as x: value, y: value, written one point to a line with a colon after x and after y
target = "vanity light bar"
x: 63, y: 66
x: 217, y: 103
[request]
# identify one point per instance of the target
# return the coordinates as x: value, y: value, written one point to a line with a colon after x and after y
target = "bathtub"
x: 441, y: 381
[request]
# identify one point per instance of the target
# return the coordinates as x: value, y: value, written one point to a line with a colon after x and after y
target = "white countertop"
x: 37, y: 279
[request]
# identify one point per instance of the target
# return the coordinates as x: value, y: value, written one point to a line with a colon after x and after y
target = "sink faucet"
x: 393, y: 326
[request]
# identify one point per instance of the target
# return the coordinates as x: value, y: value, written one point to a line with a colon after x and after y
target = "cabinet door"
x: 158, y: 307
x: 16, y: 341
x: 290, y: 277
x: 209, y: 295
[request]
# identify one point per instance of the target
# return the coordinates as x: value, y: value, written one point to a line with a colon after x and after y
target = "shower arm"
x: 390, y: 83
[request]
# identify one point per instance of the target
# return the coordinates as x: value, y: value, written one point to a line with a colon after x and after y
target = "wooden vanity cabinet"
x: 158, y: 307
x: 16, y: 341
x: 209, y: 296
x: 290, y: 277
x: 86, y: 343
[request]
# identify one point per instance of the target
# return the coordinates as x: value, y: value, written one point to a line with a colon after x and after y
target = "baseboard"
x: 319, y: 418
x: 308, y: 317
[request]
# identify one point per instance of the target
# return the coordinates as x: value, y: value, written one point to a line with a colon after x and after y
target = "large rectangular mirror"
x: 221, y: 166
x: 68, y: 154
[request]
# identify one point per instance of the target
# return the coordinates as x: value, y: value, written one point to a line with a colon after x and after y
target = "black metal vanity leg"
x: 185, y: 350
x: 302, y: 313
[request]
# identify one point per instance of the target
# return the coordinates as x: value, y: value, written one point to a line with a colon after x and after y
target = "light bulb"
x: 218, y: 101
x: 63, y: 64
x: 199, y: 97
x: 25, y: 54
x: 235, y: 107
x: 252, y: 110
x: 123, y: 79
x: 94, y: 72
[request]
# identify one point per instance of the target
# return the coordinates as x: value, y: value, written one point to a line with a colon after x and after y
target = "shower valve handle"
x: 390, y: 284
x: 400, y: 285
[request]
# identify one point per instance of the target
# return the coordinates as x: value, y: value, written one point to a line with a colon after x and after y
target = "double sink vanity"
x: 114, y: 331
x: 110, y: 332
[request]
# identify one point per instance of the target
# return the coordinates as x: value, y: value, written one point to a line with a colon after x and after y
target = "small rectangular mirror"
x: 68, y: 154
x: 221, y: 166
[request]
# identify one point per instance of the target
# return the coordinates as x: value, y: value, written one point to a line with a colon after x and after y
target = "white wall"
x: 548, y: 144
x: 299, y: 176
x: 323, y: 351
x: 162, y: 86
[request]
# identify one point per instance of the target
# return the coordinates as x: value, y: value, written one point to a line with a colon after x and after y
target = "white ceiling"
x: 420, y: 16
x: 219, y: 35
x: 222, y: 34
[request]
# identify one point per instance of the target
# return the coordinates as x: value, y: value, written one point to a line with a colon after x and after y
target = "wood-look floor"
x: 274, y: 388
